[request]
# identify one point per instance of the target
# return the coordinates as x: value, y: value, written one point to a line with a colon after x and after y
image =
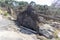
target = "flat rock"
x: 10, y: 35
x: 46, y: 30
x: 9, y: 31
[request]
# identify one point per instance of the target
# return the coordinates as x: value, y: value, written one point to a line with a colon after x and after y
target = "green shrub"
x: 5, y: 14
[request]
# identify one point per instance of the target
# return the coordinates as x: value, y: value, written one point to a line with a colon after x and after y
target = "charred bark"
x: 28, y: 19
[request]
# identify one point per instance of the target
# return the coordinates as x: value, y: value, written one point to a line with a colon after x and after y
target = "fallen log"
x: 49, y: 17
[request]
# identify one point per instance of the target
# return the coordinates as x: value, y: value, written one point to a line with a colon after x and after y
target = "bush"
x: 5, y: 14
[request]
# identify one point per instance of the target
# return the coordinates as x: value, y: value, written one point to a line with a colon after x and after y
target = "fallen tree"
x: 49, y: 17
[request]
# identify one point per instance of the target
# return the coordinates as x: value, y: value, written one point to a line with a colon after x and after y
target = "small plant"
x: 5, y: 14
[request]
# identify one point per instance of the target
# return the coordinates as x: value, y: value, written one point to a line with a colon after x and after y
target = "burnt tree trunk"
x: 28, y: 19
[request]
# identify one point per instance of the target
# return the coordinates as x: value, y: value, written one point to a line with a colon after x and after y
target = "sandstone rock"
x: 58, y: 35
x: 1, y: 17
x: 10, y: 35
x: 41, y: 18
x: 47, y: 27
x: 46, y: 30
x: 43, y: 38
x: 11, y: 18
x: 10, y: 31
x: 56, y: 25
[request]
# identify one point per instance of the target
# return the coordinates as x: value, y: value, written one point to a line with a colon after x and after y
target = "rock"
x: 41, y: 18
x: 46, y: 30
x: 58, y: 35
x: 49, y: 21
x: 10, y: 35
x: 10, y: 31
x: 42, y: 38
x: 56, y: 25
x: 11, y: 18
x: 48, y: 27
x: 0, y: 17
x: 46, y: 33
